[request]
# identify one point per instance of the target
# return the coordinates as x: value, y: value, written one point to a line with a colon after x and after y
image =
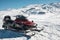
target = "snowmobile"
x: 21, y: 24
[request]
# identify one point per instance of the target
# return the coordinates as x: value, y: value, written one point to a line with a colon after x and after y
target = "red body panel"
x: 25, y: 22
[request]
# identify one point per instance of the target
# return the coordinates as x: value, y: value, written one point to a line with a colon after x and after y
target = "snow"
x: 49, y: 21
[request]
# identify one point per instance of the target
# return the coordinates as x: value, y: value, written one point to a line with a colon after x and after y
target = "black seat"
x: 7, y: 19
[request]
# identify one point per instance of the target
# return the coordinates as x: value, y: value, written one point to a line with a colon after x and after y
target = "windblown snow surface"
x: 50, y: 21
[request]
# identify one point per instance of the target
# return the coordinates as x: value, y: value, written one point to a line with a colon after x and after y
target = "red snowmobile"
x: 20, y: 23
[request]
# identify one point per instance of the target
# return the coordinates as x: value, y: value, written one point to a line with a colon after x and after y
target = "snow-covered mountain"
x: 38, y: 8
x: 45, y: 15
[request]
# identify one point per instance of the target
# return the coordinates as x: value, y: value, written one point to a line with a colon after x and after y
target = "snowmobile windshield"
x: 21, y: 17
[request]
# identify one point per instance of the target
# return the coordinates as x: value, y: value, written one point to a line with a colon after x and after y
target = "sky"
x: 15, y: 4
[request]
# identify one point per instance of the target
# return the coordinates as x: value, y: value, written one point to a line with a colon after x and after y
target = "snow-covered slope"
x: 45, y: 15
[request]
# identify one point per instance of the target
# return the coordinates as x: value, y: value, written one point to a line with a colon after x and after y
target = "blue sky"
x: 6, y: 4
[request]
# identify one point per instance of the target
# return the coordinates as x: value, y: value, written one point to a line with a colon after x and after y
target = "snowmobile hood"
x: 29, y: 23
x: 25, y: 22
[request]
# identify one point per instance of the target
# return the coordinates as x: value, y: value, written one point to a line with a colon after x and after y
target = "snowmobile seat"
x: 7, y: 19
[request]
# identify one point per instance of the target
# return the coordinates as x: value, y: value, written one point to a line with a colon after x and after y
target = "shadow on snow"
x: 11, y: 34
